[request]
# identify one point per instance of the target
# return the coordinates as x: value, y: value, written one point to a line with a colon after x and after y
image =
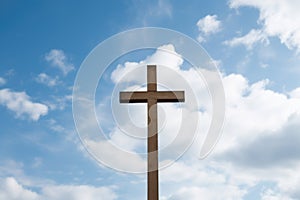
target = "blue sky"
x: 256, y: 46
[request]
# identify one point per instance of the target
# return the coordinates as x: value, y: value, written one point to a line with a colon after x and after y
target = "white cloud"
x: 169, y: 63
x: 263, y: 65
x: 262, y: 141
x: 59, y: 102
x: 132, y: 72
x: 248, y: 40
x: 198, y: 179
x: 260, y: 128
x: 252, y: 111
x: 62, y: 192
x: 47, y: 80
x: 58, y: 59
x: 20, y: 103
x: 12, y: 190
x: 55, y: 126
x: 2, y: 81
x: 194, y: 193
x: 247, y: 104
x: 111, y: 156
x: 207, y: 26
x: 10, y: 168
x: 278, y: 18
x: 260, y: 137
x: 295, y: 93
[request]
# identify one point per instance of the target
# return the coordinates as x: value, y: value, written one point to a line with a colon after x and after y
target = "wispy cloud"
x: 21, y: 105
x: 47, y: 80
x: 2, y: 81
x: 58, y: 59
x: 249, y: 40
x: 163, y: 7
x: 149, y: 11
x: 10, y: 188
x: 59, y: 102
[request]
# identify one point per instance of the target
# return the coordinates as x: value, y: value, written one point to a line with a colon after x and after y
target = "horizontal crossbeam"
x: 159, y: 96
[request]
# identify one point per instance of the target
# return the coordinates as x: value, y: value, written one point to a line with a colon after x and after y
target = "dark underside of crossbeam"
x: 160, y: 96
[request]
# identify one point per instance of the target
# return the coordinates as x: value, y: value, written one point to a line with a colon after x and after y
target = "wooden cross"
x: 152, y: 97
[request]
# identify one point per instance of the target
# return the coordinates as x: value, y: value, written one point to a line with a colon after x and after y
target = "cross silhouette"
x: 152, y: 97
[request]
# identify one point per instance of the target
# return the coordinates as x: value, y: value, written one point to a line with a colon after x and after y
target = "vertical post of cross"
x: 152, y: 135
x: 152, y: 97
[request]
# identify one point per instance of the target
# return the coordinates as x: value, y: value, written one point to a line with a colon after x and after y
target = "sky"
x: 256, y: 48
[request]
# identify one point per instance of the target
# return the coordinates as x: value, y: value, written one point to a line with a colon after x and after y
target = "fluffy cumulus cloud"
x: 272, y: 149
x: 47, y: 80
x: 197, y: 180
x: 11, y: 189
x: 207, y: 26
x: 248, y: 105
x: 278, y: 18
x: 132, y: 76
x: 58, y: 58
x: 21, y: 105
x: 257, y: 143
x: 165, y: 56
x: 258, y: 139
x: 77, y: 192
x: 259, y: 135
